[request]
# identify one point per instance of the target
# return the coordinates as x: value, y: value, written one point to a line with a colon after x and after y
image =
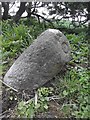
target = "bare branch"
x: 8, y: 86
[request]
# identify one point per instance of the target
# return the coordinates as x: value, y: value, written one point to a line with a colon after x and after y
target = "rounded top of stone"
x: 55, y: 31
x: 52, y: 31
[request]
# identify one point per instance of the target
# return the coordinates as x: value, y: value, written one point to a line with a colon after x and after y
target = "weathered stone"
x: 40, y: 62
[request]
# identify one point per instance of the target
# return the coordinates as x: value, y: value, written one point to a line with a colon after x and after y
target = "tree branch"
x: 8, y: 86
x: 42, y: 17
x: 20, y: 12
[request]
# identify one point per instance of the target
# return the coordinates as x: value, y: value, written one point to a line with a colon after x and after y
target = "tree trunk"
x: 29, y: 9
x: 5, y: 5
x: 0, y: 11
x: 88, y: 33
x: 20, y: 12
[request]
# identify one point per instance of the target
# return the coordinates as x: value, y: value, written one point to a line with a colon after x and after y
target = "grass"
x: 73, y: 88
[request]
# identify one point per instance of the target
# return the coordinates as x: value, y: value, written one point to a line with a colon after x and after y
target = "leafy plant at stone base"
x: 28, y: 109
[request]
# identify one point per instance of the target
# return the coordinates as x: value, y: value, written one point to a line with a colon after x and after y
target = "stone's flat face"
x: 40, y: 62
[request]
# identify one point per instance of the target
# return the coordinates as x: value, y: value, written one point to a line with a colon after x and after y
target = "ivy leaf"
x: 65, y: 93
x: 46, y: 106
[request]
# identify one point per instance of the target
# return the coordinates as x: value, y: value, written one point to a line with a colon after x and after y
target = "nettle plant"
x: 28, y: 109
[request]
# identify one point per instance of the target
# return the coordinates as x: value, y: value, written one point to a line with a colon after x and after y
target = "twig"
x: 4, y: 113
x: 36, y: 97
x: 42, y: 17
x: 12, y: 5
x: 9, y: 86
x: 47, y: 98
x: 53, y: 98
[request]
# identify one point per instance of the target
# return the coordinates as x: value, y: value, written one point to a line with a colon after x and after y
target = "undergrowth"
x: 74, y: 87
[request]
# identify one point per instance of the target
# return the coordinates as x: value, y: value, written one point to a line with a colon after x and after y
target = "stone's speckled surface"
x: 40, y: 62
